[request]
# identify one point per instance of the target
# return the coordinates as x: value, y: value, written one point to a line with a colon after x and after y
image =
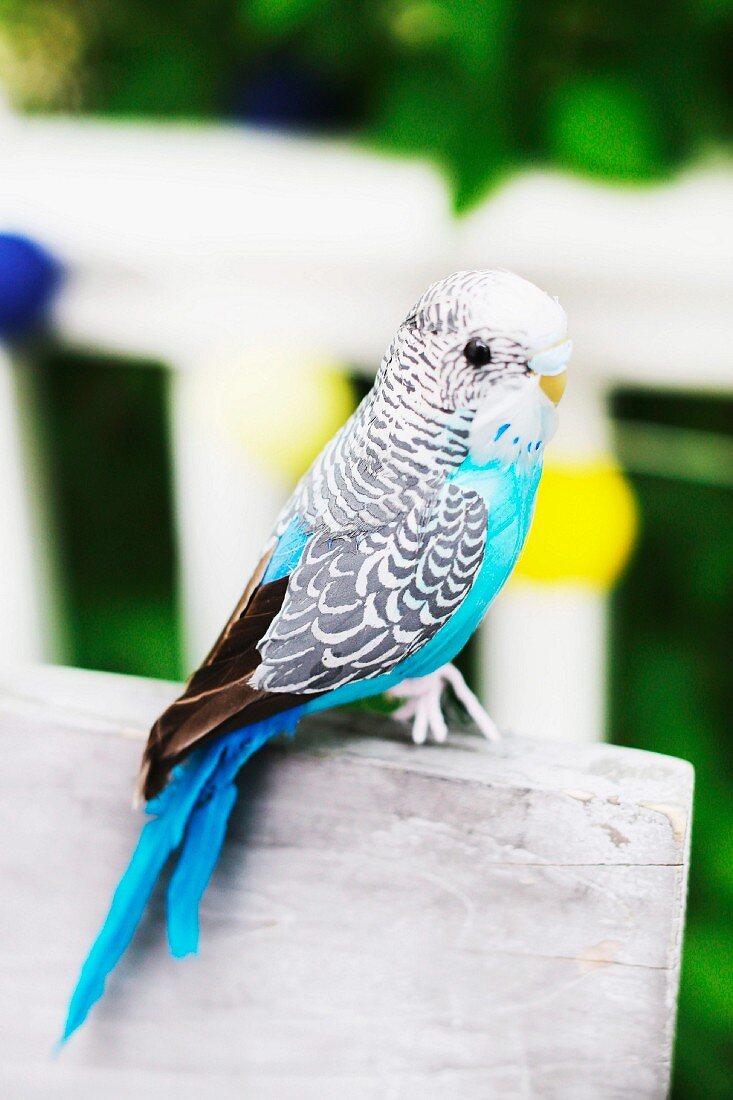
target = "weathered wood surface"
x: 463, y: 921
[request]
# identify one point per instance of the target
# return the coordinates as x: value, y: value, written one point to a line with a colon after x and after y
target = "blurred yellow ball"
x: 584, y: 526
x: 282, y: 407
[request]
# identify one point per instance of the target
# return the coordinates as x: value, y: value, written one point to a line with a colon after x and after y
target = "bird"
x: 379, y: 568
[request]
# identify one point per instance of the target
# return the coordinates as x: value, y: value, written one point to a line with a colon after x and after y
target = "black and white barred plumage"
x: 357, y: 606
x: 395, y: 544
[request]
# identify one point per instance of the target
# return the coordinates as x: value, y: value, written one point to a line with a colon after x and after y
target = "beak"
x: 551, y: 365
x: 553, y: 386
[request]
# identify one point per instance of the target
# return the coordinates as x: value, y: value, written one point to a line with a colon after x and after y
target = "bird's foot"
x: 420, y: 704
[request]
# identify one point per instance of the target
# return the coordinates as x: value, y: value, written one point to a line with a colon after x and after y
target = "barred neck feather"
x: 405, y: 439
x: 395, y: 450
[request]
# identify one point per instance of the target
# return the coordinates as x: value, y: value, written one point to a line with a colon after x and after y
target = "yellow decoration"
x: 584, y: 525
x: 282, y: 407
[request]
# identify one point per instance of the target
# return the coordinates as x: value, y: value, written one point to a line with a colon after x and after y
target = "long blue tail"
x: 193, y: 808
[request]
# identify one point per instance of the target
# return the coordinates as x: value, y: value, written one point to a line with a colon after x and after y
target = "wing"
x: 357, y: 605
x: 320, y: 611
x: 219, y: 694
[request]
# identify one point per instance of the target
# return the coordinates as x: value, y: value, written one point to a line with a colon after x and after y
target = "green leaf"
x: 605, y: 127
x: 279, y: 17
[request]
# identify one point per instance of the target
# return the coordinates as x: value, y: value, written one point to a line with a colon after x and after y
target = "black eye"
x: 477, y: 352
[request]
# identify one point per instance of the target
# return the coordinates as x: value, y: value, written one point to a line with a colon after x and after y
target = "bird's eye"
x: 477, y: 352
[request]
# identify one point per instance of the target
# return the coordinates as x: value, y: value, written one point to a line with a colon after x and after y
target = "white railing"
x: 186, y: 244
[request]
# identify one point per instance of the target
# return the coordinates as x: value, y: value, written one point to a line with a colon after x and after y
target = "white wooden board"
x: 387, y: 921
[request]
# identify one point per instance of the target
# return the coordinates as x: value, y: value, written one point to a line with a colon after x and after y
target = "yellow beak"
x: 550, y: 364
x: 553, y: 385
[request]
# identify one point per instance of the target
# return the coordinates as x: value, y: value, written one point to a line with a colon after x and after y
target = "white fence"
x: 185, y: 244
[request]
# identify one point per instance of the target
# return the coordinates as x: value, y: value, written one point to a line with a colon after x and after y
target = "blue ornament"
x: 288, y: 95
x: 28, y: 278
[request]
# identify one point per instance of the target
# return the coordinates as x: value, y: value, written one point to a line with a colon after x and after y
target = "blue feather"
x: 201, y: 848
x: 288, y: 552
x: 197, y: 802
x: 206, y: 830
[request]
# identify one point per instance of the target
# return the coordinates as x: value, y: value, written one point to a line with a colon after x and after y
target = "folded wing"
x: 358, y: 605
x: 353, y: 607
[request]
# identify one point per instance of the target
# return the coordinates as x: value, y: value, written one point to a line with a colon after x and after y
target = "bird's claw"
x: 420, y: 704
x: 426, y: 716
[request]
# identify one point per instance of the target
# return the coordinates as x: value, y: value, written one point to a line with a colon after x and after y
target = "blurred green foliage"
x: 671, y: 693
x: 104, y: 433
x: 620, y: 89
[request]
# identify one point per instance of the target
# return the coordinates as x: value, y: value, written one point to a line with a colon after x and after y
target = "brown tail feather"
x: 218, y: 698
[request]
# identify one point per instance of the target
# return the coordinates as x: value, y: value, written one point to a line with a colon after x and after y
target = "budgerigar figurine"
x: 381, y: 566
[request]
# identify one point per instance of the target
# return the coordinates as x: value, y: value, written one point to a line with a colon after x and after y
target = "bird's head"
x: 492, y: 347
